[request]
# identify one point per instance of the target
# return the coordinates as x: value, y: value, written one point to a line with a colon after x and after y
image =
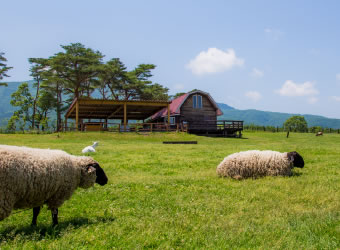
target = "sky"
x: 280, y: 56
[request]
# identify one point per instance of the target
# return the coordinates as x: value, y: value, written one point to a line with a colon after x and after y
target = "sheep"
x: 255, y: 163
x: 319, y: 133
x: 90, y: 149
x: 30, y: 178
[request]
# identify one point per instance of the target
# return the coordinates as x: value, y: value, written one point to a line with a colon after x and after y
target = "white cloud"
x: 214, y: 60
x: 290, y: 88
x: 274, y: 34
x: 336, y: 98
x: 179, y: 86
x: 338, y: 77
x: 257, y: 73
x: 253, y: 95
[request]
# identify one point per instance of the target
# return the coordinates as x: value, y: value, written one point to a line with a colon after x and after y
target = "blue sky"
x: 280, y: 56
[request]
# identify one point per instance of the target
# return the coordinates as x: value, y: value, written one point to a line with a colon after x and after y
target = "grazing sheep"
x: 319, y: 133
x: 255, y: 163
x: 31, y: 177
x: 90, y: 149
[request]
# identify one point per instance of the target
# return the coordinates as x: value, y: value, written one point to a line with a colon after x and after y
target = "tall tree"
x: 138, y: 81
x: 77, y: 66
x: 155, y: 92
x: 55, y: 86
x: 3, y: 68
x: 38, y: 67
x: 113, y: 77
x: 131, y: 85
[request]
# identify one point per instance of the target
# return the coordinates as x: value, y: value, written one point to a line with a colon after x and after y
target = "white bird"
x: 90, y: 149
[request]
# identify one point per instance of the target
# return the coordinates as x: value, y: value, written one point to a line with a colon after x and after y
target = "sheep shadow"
x: 296, y: 174
x: 40, y: 232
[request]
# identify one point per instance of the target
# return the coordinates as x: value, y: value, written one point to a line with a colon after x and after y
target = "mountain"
x: 249, y: 116
x: 223, y: 106
x: 267, y: 118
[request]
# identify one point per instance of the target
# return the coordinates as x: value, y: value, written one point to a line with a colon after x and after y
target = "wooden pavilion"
x: 99, y: 109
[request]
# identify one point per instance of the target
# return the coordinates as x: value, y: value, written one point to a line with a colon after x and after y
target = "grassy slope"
x: 168, y: 196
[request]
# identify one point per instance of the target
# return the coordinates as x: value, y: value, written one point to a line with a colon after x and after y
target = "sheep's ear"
x: 90, y: 169
x: 291, y: 156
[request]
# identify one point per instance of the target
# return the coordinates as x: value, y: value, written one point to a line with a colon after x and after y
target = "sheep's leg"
x: 7, y: 202
x: 36, y: 211
x: 54, y: 212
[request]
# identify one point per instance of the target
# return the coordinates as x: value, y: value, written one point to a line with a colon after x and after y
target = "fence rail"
x: 217, y: 125
x: 131, y: 127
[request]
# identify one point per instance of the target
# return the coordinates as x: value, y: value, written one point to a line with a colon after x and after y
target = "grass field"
x: 168, y: 196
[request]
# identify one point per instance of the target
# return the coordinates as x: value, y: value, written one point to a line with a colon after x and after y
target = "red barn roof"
x: 176, y: 104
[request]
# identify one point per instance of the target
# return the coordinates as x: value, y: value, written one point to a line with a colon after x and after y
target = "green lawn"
x: 169, y: 196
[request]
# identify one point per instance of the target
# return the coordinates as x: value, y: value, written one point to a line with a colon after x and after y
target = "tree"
x: 112, y: 78
x: 46, y: 102
x: 130, y: 85
x: 55, y: 86
x: 39, y: 66
x: 23, y: 99
x: 296, y: 124
x: 177, y: 95
x: 78, y: 67
x: 3, y: 68
x: 155, y: 92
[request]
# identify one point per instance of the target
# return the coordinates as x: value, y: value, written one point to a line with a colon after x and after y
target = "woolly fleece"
x: 33, y: 177
x: 255, y: 163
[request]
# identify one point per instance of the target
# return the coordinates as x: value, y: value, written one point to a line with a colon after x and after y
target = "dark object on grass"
x: 179, y: 142
x: 287, y: 134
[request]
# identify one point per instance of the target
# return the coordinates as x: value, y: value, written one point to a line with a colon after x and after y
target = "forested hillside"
x: 249, y: 116
x: 267, y: 118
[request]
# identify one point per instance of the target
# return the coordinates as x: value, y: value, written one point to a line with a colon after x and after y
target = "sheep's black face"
x: 101, y: 176
x: 296, y: 158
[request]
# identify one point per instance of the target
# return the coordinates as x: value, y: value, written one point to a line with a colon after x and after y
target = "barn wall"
x: 190, y: 114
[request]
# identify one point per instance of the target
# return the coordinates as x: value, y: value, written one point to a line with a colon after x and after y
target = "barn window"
x: 172, y: 120
x: 197, y: 101
x: 194, y: 101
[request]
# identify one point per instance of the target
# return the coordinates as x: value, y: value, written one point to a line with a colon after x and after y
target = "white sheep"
x: 30, y: 178
x: 255, y: 163
x: 90, y: 149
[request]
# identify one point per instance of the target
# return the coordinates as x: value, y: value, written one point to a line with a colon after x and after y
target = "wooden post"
x: 77, y: 115
x: 125, y: 117
x: 65, y: 124
x: 151, y: 127
x: 168, y: 114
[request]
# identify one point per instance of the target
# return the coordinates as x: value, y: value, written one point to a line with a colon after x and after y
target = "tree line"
x: 293, y: 124
x: 76, y: 71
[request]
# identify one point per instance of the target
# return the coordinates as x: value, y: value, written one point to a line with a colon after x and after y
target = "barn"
x: 198, y: 110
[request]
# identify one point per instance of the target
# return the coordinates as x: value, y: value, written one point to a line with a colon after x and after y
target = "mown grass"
x: 168, y: 196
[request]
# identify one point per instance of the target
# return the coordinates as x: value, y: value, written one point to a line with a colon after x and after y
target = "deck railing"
x: 219, y: 125
x: 216, y: 125
x: 131, y: 127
